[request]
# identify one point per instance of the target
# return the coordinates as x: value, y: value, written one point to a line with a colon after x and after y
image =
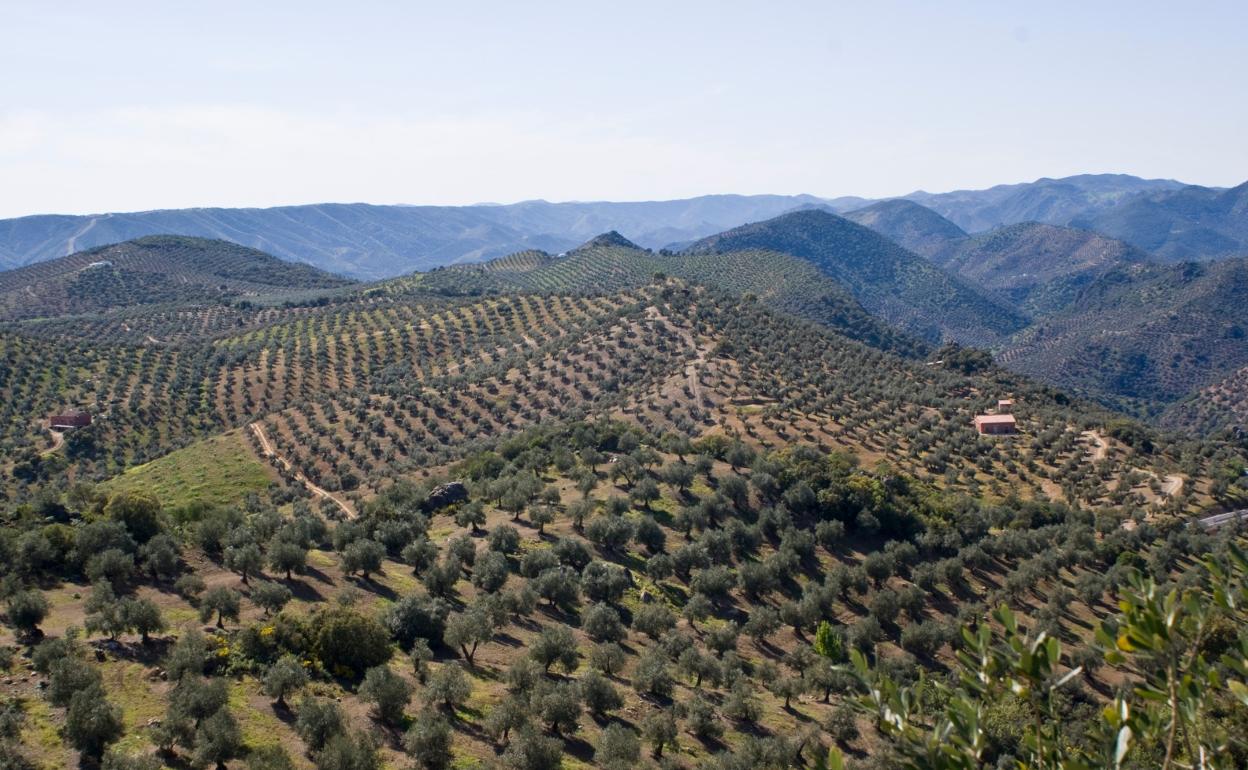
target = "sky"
x: 126, y: 106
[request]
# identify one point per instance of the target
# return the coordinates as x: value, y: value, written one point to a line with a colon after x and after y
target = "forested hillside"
x: 894, y: 284
x: 1219, y: 406
x: 154, y: 270
x: 1148, y: 332
x: 908, y: 224
x: 1040, y: 268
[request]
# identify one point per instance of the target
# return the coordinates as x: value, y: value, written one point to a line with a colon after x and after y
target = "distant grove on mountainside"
x: 370, y: 242
x: 152, y: 270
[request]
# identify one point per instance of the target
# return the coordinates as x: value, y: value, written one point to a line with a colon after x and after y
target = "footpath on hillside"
x: 266, y: 446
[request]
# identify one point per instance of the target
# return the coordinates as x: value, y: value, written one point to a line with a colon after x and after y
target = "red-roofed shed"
x: 996, y: 424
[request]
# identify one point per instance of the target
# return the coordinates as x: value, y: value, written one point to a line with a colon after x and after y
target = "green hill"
x: 153, y: 270
x: 1152, y: 333
x: 894, y: 284
x: 915, y: 227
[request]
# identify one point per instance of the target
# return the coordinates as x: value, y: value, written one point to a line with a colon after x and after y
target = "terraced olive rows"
x: 396, y: 381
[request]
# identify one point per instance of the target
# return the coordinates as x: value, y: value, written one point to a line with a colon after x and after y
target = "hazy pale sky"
x: 120, y: 106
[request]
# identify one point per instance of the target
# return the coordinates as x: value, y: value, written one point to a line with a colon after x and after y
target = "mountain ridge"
x: 890, y: 281
x: 1192, y: 223
x: 369, y: 241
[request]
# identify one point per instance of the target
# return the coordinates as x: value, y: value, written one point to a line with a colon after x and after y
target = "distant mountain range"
x: 370, y: 242
x: 1188, y: 224
x: 1053, y: 201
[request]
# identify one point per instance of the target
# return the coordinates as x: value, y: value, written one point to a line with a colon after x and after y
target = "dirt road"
x: 267, y: 447
x: 1100, y: 446
x: 58, y: 441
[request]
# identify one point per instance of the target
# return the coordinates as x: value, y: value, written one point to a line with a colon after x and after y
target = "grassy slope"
x: 221, y: 470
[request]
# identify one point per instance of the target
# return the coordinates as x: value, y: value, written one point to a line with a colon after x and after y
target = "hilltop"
x: 905, y: 222
x: 1038, y: 267
x: 153, y: 270
x: 893, y: 283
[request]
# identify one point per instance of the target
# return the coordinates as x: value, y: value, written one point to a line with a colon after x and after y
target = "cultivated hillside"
x: 151, y: 270
x: 1193, y: 223
x: 1142, y: 331
x: 1039, y: 267
x: 610, y: 263
x: 1220, y: 406
x: 895, y: 284
x: 915, y: 227
x: 677, y: 511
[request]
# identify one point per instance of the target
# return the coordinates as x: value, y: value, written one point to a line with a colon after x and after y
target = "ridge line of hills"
x: 1066, y: 305
x: 372, y: 242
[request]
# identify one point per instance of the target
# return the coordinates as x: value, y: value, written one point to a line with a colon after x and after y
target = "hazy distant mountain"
x: 916, y: 227
x: 1054, y: 201
x: 1192, y: 223
x: 367, y: 241
x: 897, y: 285
x: 380, y: 241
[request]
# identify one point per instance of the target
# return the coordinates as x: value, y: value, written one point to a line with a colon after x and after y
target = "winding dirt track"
x: 267, y: 447
x: 1101, y: 446
x: 1172, y: 485
x: 58, y: 441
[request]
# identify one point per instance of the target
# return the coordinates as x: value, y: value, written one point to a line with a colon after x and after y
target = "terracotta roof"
x: 993, y: 419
